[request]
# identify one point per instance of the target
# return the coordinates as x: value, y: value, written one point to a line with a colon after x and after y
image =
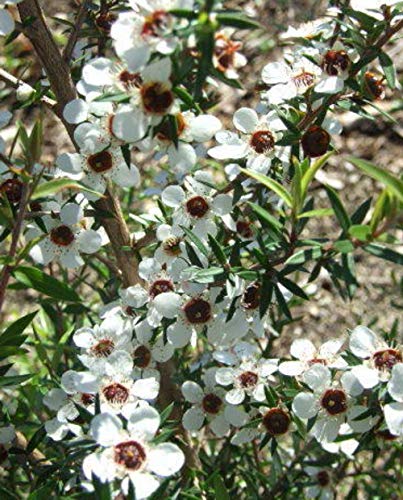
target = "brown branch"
x: 16, y: 83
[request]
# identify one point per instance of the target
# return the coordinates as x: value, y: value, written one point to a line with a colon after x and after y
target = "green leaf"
x: 220, y: 489
x: 360, y: 231
x: 343, y: 246
x: 384, y: 253
x: 388, y: 68
x: 319, y: 212
x: 292, y: 287
x: 14, y: 380
x: 55, y: 186
x: 41, y: 282
x: 37, y: 438
x: 395, y: 185
x: 305, y: 255
x: 236, y: 20
x: 217, y: 250
x: 196, y: 240
x: 266, y: 217
x: 282, y: 303
x: 310, y: 173
x: 272, y: 185
x: 339, y: 210
x: 16, y: 329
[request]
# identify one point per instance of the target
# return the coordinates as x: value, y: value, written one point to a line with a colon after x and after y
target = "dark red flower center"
x: 323, y: 478
x: 62, y: 236
x: 304, y: 79
x: 156, y: 24
x: 87, y: 399
x: 262, y: 141
x: 335, y: 62
x: 197, y: 207
x: 100, y: 162
x: 171, y: 246
x: 317, y: 361
x: 116, y: 393
x: 212, y: 403
x: 251, y: 297
x: 142, y: 356
x: 197, y: 311
x: 374, y: 85
x: 12, y: 188
x: 248, y: 379
x: 103, y: 348
x: 157, y: 98
x: 276, y: 421
x: 128, y: 79
x: 244, y: 229
x: 315, y: 141
x: 387, y: 358
x: 160, y: 286
x: 334, y: 401
x: 131, y: 454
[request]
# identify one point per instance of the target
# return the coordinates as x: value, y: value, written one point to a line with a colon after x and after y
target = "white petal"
x: 245, y: 120
x: 55, y: 429
x: 144, y: 420
x: 330, y: 348
x: 136, y: 57
x: 193, y: 419
x: 395, y: 385
x: 70, y: 163
x: 76, y: 111
x: 235, y: 415
x: 351, y: 384
x: 303, y: 349
x: 71, y: 214
x: 244, y: 436
x: 168, y: 304
x: 119, y: 362
x: 84, y: 337
x: 7, y: 24
x: 166, y: 459
x: 71, y: 259
x: 183, y: 158
x: 54, y: 399
x: 129, y: 124
x: 326, y: 430
x: 394, y: 418
x: 363, y: 342
x: 225, y: 376
x: 172, y: 196
x: 146, y: 388
x: 222, y: 204
x: 235, y: 396
x: 228, y: 151
x: 98, y: 72
x: 275, y: 72
x: 126, y: 176
x: 304, y: 405
x: 367, y: 377
x: 291, y: 368
x: 192, y: 392
x: 89, y: 241
x: 330, y: 85
x: 219, y: 426
x: 179, y: 335
x: 105, y: 429
x: 159, y: 71
x: 204, y: 127
x: 317, y: 377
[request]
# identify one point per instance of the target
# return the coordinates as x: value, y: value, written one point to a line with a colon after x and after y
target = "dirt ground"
x: 378, y: 299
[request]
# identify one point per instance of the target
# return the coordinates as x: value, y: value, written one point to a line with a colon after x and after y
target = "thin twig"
x: 82, y: 14
x: 16, y: 83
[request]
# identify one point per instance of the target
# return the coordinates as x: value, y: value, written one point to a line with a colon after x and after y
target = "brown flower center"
x: 130, y: 454
x: 323, y: 478
x: 262, y: 141
x: 160, y: 286
x: 156, y: 24
x: 374, y: 85
x: 248, y: 379
x: 116, y: 393
x: 387, y: 358
x: 171, y: 246
x: 334, y: 401
x: 303, y: 80
x: 87, y: 399
x: 317, y: 361
x: 12, y: 188
x: 157, y: 97
x: 128, y: 79
x: 224, y: 52
x: 197, y: 311
x: 244, y: 229
x: 142, y: 356
x: 165, y: 132
x: 62, y: 236
x: 103, y: 348
x: 335, y: 62
x: 251, y: 297
x: 212, y: 404
x: 276, y: 421
x: 197, y: 207
x: 100, y: 162
x: 315, y: 141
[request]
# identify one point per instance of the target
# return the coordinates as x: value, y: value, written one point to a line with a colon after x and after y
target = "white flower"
x: 289, y: 80
x: 248, y: 378
x: 130, y: 454
x: 379, y: 359
x: 307, y: 355
x: 258, y: 136
x: 67, y: 238
x: 196, y: 207
x: 94, y: 170
x: 323, y: 489
x: 209, y: 403
x: 394, y: 411
x: 332, y: 405
x: 226, y: 55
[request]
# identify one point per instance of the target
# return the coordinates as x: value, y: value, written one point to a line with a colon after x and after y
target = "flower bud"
x: 315, y: 141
